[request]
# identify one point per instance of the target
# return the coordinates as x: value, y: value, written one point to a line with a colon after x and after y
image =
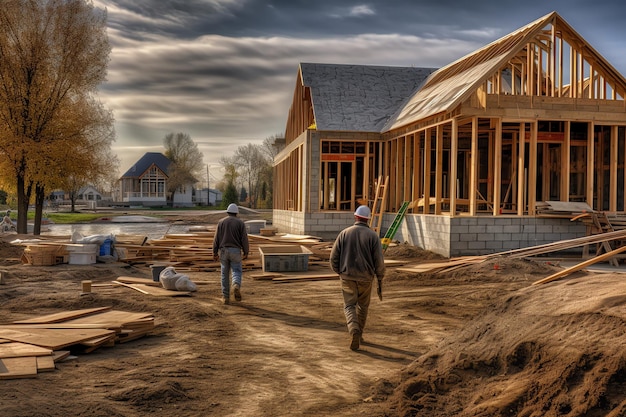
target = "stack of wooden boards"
x: 34, y: 345
x: 194, y: 251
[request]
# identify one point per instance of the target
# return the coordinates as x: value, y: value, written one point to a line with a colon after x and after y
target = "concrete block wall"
x: 325, y: 225
x: 462, y: 236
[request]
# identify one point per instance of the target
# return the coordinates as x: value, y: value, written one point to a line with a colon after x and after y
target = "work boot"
x: 225, y: 301
x: 356, y: 341
x: 237, y: 292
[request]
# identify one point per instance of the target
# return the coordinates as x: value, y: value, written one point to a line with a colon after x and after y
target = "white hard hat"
x: 232, y: 208
x: 363, y: 212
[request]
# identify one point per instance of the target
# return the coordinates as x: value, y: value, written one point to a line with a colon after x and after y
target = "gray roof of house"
x: 145, y: 162
x: 359, y: 97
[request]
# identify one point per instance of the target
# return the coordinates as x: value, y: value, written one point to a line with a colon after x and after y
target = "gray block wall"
x: 460, y: 236
x: 447, y: 236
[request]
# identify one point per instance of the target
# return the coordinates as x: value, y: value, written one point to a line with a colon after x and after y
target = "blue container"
x: 105, y: 248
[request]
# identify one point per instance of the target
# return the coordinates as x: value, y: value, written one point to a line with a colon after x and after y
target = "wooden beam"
x: 454, y: 150
x: 565, y: 162
x: 521, y: 203
x: 497, y: 168
x: 590, y: 166
x: 473, y: 168
x: 439, y: 170
x: 427, y: 158
x: 613, y: 170
x: 581, y: 265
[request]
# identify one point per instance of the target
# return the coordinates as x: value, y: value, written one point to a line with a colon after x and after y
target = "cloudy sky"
x: 224, y: 71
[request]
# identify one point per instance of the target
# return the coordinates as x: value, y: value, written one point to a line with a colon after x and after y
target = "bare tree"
x: 53, y: 56
x: 272, y: 145
x: 186, y: 166
x: 250, y: 161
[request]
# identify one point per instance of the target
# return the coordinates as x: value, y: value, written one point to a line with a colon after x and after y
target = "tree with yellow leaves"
x: 53, y: 56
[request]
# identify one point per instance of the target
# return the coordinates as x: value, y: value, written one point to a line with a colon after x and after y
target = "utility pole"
x: 208, y: 187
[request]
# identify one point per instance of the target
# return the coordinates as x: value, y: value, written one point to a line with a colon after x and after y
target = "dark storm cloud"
x: 224, y: 70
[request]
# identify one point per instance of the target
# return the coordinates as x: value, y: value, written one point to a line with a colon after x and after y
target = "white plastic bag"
x: 183, y: 283
x: 168, y: 278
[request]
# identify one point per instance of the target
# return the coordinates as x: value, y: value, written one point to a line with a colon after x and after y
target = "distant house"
x: 89, y: 193
x: 145, y: 183
x: 214, y: 197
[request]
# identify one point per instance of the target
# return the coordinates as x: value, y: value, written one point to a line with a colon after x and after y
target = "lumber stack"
x: 194, y: 251
x: 30, y: 346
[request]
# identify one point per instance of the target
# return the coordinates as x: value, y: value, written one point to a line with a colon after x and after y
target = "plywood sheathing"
x: 33, y: 345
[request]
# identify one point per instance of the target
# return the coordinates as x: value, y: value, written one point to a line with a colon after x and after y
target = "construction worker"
x: 357, y: 256
x: 231, y: 246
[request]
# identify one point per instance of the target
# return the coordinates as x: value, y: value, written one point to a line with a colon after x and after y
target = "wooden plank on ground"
x: 17, y: 349
x: 59, y: 355
x: 13, y: 368
x: 156, y: 291
x: 115, y: 318
x: 306, y: 277
x: 45, y: 363
x: 580, y: 266
x: 54, y: 339
x: 63, y: 316
x: 137, y: 280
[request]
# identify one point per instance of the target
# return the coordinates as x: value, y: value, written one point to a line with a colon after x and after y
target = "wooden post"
x: 613, y: 170
x: 532, y: 169
x: 521, y: 203
x: 86, y: 286
x: 497, y: 168
x: 454, y: 151
x: 427, y: 156
x: 439, y: 170
x: 590, y: 166
x: 565, y: 162
x: 473, y: 183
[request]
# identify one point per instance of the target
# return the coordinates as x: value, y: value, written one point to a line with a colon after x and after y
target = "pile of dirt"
x: 406, y: 251
x: 553, y: 349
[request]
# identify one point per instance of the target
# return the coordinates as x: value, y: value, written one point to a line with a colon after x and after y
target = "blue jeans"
x: 230, y: 259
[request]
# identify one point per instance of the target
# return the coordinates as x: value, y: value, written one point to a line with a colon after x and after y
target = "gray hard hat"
x: 232, y: 208
x: 363, y: 212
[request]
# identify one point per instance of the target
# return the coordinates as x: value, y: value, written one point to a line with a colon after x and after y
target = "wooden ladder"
x: 378, y: 207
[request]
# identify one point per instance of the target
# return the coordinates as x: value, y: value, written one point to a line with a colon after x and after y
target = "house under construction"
x: 477, y: 146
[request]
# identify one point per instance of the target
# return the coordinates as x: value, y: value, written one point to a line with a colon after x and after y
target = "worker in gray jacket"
x: 230, y: 246
x: 357, y: 256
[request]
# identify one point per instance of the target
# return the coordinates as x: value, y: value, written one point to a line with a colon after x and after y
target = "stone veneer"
x: 447, y: 236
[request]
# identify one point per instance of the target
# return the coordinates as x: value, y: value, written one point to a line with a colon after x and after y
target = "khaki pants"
x: 356, y: 302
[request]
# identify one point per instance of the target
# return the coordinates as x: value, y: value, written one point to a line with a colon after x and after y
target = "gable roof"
x: 145, y: 162
x: 451, y: 85
x: 358, y: 97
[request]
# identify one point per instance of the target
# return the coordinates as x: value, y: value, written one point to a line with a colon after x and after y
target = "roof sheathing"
x: 451, y: 85
x: 358, y: 97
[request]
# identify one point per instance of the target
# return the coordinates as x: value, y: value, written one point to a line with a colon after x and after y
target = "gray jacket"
x: 357, y: 254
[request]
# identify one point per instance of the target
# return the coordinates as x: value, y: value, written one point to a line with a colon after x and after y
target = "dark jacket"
x: 357, y: 254
x: 231, y: 232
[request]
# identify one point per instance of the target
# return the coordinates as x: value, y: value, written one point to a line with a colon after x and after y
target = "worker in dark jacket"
x: 230, y: 246
x: 357, y: 256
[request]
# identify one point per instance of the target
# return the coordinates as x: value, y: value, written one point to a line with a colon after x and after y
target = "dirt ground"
x: 479, y: 341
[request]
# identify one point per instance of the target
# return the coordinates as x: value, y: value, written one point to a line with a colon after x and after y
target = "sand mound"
x: 546, y: 350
